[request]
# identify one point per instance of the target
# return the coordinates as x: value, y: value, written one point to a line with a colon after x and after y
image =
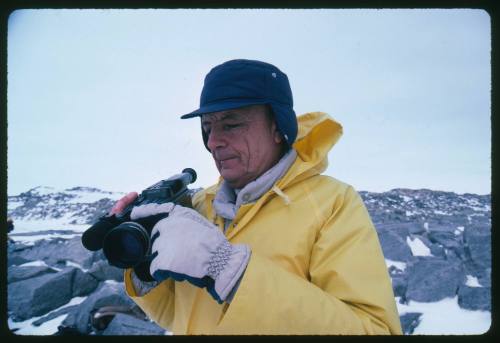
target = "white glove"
x: 186, y: 246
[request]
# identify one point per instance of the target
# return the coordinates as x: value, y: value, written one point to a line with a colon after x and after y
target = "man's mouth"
x: 225, y: 160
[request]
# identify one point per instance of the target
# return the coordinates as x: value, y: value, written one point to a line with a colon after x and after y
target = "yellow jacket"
x: 316, y: 265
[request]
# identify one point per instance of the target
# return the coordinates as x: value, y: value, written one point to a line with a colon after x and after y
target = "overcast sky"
x: 95, y: 96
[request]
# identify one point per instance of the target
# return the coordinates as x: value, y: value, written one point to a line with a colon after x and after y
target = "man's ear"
x: 278, y: 138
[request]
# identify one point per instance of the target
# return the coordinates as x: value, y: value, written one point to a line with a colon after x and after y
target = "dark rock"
x: 474, y: 298
x: 108, y: 293
x: 399, y: 285
x: 102, y: 271
x: 399, y: 229
x: 16, y: 273
x: 16, y: 260
x: 477, y: 241
x: 431, y: 279
x: 123, y: 324
x: 445, y: 238
x: 59, y: 251
x: 54, y: 314
x: 409, y: 321
x: 36, y: 296
x: 394, y: 247
x: 83, y: 283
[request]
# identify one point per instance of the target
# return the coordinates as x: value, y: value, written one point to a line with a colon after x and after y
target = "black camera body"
x: 127, y: 243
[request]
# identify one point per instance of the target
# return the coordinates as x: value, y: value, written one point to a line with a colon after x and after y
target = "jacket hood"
x: 318, y: 133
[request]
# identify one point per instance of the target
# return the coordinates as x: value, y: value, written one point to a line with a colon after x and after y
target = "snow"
x: 472, y: 281
x: 76, y: 265
x: 445, y: 317
x: 459, y: 230
x: 399, y: 265
x: 12, y: 205
x: 38, y: 263
x: 90, y: 197
x: 26, y: 327
x: 418, y: 248
x: 32, y: 239
x: 44, y: 190
x: 34, y: 225
x: 406, y: 198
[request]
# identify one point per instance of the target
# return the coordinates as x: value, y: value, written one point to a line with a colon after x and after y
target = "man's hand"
x: 120, y: 205
x: 186, y: 246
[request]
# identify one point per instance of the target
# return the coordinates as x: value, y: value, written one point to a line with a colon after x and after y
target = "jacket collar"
x: 227, y: 201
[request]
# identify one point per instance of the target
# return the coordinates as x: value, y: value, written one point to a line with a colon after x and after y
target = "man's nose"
x: 216, y: 140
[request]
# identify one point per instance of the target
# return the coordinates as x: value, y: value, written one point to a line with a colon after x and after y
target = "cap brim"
x: 222, y: 106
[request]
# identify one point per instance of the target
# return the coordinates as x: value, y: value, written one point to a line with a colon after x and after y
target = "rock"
x: 16, y: 273
x: 432, y: 279
x: 38, y: 295
x: 123, y: 324
x: 446, y: 238
x: 399, y: 285
x: 474, y: 298
x: 394, y: 247
x: 108, y: 293
x: 477, y: 241
x: 83, y: 283
x: 102, y: 271
x: 58, y: 251
x: 409, y: 321
x: 54, y: 314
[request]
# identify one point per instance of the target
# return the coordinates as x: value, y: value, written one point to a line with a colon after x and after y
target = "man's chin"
x: 235, y: 181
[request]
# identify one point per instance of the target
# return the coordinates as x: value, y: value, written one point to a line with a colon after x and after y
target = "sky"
x: 94, y: 96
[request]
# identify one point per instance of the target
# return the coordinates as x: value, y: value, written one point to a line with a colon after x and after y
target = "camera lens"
x: 126, y: 245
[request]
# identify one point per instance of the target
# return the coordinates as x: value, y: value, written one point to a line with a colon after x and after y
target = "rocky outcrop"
x: 42, y: 284
x: 437, y: 245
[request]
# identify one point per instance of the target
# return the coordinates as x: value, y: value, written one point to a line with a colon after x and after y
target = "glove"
x: 186, y: 246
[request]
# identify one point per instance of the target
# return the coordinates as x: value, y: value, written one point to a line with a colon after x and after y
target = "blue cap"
x: 239, y: 83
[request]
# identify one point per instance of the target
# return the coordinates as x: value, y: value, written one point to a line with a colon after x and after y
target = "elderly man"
x: 274, y: 247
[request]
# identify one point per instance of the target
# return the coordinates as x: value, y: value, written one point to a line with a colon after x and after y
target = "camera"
x: 127, y: 243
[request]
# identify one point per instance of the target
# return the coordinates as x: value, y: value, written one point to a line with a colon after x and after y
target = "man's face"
x: 244, y: 143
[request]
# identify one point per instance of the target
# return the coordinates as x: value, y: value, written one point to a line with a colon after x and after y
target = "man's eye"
x: 231, y: 126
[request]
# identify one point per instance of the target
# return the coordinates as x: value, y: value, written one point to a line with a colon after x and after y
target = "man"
x: 274, y: 247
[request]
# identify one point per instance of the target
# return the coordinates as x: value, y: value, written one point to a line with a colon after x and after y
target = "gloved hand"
x: 186, y: 246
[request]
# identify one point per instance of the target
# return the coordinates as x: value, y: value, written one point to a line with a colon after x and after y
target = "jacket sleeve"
x: 348, y: 292
x: 157, y: 303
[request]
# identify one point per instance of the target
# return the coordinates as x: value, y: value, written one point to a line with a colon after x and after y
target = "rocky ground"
x: 437, y: 245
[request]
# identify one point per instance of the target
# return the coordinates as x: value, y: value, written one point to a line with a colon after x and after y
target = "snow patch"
x: 43, y: 190
x: 24, y: 226
x: 445, y: 317
x: 12, y: 205
x: 32, y: 239
x: 472, y: 281
x: 418, y: 248
x: 399, y: 265
x: 76, y: 265
x: 38, y: 263
x: 26, y: 327
x: 91, y: 197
